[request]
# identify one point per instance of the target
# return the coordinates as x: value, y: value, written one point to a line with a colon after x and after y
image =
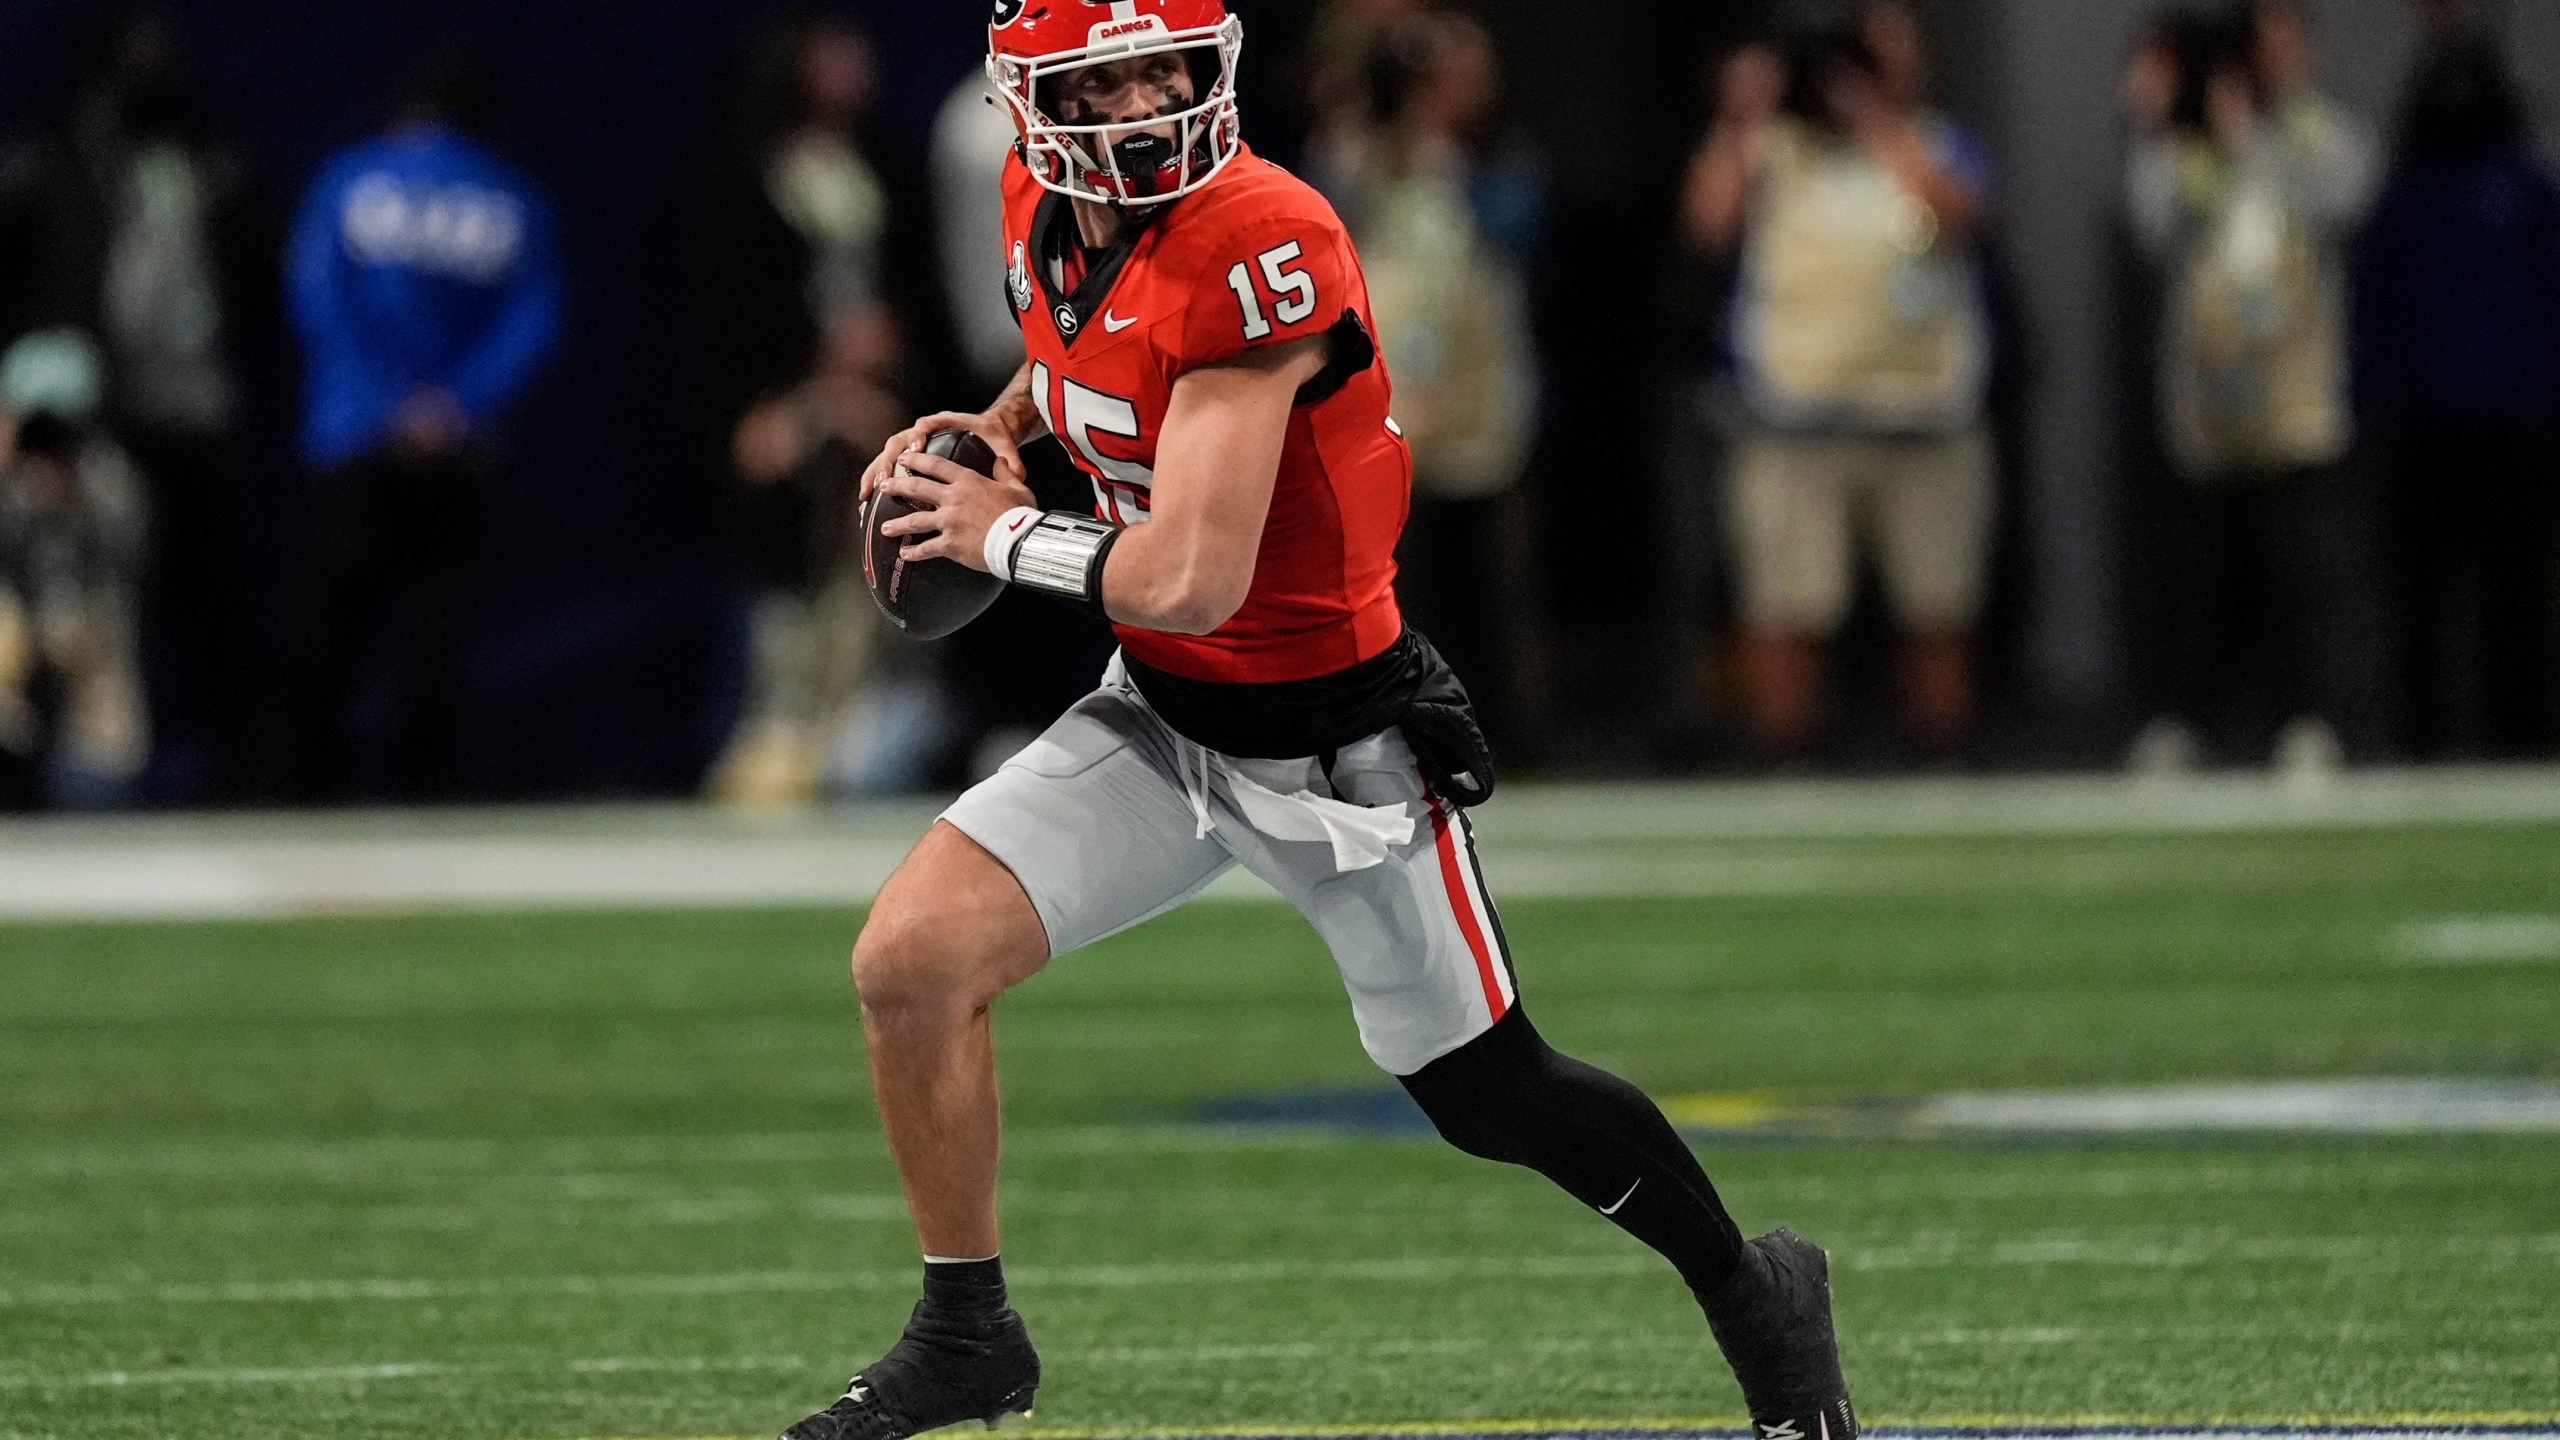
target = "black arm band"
x: 1062, y: 554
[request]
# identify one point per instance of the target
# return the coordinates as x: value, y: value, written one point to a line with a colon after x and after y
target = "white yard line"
x: 1949, y: 1251
x: 2353, y: 1106
x: 1134, y: 1276
x: 2479, y: 940
x: 583, y: 1199
x: 658, y: 1364
x: 662, y: 1205
x: 427, y: 1156
x: 196, y: 1375
x: 635, y: 1167
x: 1975, y: 1339
x: 1536, y: 841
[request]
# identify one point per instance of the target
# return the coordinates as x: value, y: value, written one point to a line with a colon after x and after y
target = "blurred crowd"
x: 2356, y: 352
x: 2348, y: 344
x: 2346, y: 336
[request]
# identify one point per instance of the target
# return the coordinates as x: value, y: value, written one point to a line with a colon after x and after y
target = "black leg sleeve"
x: 1507, y: 1095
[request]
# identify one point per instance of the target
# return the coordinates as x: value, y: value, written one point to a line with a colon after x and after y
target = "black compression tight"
x: 1508, y: 1095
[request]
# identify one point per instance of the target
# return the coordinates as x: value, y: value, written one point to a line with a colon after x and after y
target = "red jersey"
x: 1255, y: 257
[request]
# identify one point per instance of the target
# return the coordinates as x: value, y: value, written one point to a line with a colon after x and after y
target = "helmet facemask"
x: 1121, y: 163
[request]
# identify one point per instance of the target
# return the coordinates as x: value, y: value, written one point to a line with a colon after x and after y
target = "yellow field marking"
x: 1738, y: 1110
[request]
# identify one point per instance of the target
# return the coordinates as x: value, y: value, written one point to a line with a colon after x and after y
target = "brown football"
x: 927, y: 598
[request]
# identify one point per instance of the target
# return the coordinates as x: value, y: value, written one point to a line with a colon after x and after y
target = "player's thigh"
x: 1787, y: 502
x: 951, y: 921
x: 1933, y: 524
x: 1416, y: 937
x: 1092, y: 823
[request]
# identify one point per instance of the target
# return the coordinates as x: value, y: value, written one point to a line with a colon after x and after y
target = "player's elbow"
x: 1198, y: 617
x: 1189, y: 598
x: 1202, y: 603
x: 1177, y: 617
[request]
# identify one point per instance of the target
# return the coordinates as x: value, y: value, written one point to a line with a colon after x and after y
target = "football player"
x: 1197, y: 333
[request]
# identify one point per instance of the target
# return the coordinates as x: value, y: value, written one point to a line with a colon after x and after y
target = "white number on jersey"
x: 1292, y: 291
x: 1088, y: 411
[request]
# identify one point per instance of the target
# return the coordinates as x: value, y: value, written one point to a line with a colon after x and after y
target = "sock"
x: 1507, y: 1095
x: 965, y: 1287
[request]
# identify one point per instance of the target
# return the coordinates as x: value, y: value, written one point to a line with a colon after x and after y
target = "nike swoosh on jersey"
x: 1113, y: 324
x: 1623, y: 1199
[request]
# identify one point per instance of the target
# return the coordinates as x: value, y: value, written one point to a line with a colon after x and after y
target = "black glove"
x: 1451, y: 749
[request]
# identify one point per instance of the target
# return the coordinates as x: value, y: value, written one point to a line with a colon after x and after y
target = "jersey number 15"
x: 1293, y: 292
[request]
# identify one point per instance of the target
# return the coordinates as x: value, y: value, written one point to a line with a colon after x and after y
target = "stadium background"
x: 2128, y: 1109
x: 615, y: 646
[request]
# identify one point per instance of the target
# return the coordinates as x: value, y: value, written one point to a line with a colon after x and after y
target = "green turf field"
x: 590, y: 1174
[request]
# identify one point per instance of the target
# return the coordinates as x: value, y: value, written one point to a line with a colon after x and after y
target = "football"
x: 927, y: 598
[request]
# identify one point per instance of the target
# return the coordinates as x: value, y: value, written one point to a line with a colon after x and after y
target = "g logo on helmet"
x: 1007, y: 11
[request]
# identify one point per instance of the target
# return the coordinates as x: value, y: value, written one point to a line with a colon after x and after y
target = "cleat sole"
x: 1017, y: 1403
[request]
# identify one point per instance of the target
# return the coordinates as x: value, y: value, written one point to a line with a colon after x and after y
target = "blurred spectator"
x: 2458, y: 313
x: 1860, y: 344
x: 971, y: 137
x: 73, y: 730
x: 1343, y: 49
x: 129, y: 226
x: 2244, y: 185
x: 426, y: 287
x: 799, y: 215
x: 1446, y: 218
x: 807, y: 354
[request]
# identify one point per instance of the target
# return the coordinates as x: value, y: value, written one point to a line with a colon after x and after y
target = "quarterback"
x: 1197, y: 333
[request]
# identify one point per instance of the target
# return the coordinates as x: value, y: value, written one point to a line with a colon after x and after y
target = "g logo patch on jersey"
x: 1007, y: 11
x: 1065, y: 315
x: 1017, y: 279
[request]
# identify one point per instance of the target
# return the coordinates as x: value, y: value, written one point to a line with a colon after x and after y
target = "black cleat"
x: 1773, y: 1319
x: 944, y: 1370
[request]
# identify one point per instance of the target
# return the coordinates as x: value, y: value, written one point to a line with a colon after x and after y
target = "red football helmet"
x: 1032, y: 44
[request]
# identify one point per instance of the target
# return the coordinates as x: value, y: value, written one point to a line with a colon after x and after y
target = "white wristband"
x: 1005, y: 537
x: 1063, y: 553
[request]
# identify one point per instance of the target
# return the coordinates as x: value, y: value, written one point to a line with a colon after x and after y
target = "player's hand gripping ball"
x: 927, y: 598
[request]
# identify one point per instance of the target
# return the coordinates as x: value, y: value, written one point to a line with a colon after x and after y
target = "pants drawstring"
x: 1198, y: 794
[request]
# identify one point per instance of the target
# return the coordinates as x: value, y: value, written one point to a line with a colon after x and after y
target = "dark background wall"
x: 614, y: 634
x: 613, y: 639
x: 611, y: 632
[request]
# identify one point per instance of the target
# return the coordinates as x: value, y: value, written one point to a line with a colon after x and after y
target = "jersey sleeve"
x: 1280, y: 277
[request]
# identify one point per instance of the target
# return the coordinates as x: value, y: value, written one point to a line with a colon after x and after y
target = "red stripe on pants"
x: 1456, y: 881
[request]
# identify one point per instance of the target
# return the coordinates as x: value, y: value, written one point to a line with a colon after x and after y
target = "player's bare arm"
x: 1188, y: 569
